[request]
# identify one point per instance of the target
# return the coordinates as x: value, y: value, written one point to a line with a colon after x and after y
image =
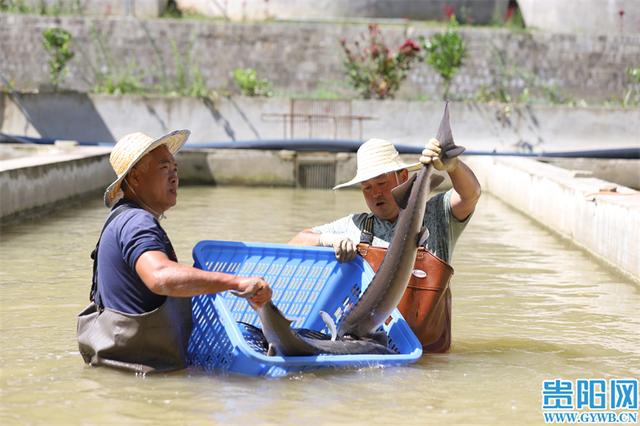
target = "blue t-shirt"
x: 130, y: 234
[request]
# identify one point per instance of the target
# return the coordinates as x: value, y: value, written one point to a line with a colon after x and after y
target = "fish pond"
x: 527, y: 307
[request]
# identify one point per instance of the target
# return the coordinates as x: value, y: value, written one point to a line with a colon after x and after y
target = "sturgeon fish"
x: 283, y: 340
x: 356, y: 332
x: 388, y: 285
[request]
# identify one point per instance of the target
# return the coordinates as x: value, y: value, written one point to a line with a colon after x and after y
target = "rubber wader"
x: 426, y: 303
x: 154, y: 341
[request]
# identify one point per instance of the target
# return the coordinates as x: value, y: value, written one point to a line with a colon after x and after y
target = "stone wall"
x: 303, y: 57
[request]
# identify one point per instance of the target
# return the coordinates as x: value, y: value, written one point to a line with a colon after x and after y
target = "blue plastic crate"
x: 305, y: 280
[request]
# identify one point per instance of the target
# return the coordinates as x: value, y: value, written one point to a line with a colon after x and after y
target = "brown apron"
x: 426, y: 303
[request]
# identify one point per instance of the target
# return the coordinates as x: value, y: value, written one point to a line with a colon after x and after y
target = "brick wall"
x: 302, y: 57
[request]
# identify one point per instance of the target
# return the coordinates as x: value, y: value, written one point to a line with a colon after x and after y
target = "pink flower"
x: 510, y: 11
x: 409, y: 46
x: 374, y: 30
x: 448, y: 11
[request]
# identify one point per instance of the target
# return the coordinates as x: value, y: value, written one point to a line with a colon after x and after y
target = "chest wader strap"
x: 366, y: 236
x: 94, y: 254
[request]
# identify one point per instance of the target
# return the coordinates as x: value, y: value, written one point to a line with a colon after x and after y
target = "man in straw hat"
x: 140, y: 315
x: 379, y: 170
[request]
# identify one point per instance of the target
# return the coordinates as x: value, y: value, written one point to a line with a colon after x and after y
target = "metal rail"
x: 289, y: 119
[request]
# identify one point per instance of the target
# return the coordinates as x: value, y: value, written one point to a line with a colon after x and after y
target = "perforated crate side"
x: 210, y: 346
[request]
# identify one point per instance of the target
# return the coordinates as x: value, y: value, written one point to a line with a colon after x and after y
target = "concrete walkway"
x: 596, y: 215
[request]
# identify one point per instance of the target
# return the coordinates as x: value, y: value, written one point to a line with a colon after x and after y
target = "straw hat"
x: 376, y: 157
x: 130, y: 149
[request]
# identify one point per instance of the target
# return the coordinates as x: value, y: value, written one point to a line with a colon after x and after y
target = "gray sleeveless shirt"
x: 444, y: 228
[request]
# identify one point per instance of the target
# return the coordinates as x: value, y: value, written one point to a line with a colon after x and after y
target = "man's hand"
x: 255, y: 289
x: 345, y: 248
x: 432, y: 153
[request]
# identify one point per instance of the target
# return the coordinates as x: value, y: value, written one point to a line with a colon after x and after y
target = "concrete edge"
x: 41, y: 181
x: 581, y: 210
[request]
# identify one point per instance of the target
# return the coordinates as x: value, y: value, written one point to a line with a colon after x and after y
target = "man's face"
x: 377, y: 194
x: 156, y: 179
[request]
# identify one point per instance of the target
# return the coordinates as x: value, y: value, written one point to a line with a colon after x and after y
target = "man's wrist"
x: 234, y: 284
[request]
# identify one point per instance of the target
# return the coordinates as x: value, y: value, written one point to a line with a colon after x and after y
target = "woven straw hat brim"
x: 174, y: 142
x: 377, y: 157
x: 363, y: 176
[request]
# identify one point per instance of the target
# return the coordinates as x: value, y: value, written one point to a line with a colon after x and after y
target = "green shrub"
x: 373, y: 69
x: 51, y: 8
x: 445, y: 53
x: 119, y: 83
x: 56, y: 41
x: 112, y: 78
x: 530, y: 87
x: 632, y: 96
x: 189, y: 80
x: 249, y: 84
x: 515, y: 20
x: 115, y: 78
x: 13, y: 6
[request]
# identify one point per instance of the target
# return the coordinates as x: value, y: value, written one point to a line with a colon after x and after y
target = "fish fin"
x: 331, y: 325
x: 272, y: 350
x: 277, y: 311
x: 445, y: 137
x: 422, y: 237
x: 379, y: 337
x: 434, y: 181
x: 402, y: 192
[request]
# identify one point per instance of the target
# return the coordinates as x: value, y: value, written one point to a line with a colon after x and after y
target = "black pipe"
x: 346, y: 145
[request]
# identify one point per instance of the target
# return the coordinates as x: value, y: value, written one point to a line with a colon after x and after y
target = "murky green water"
x: 528, y: 307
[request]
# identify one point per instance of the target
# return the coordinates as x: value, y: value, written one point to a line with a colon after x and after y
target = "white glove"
x: 345, y: 248
x: 432, y: 153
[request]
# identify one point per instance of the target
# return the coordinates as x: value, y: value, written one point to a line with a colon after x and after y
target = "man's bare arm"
x: 306, y: 238
x: 168, y: 278
x: 466, y: 191
x: 344, y: 248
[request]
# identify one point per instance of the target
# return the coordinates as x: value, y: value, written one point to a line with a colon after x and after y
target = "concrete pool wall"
x: 598, y: 216
x: 44, y: 177
x: 478, y: 126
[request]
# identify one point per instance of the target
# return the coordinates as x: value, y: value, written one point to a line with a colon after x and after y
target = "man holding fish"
x: 426, y: 302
